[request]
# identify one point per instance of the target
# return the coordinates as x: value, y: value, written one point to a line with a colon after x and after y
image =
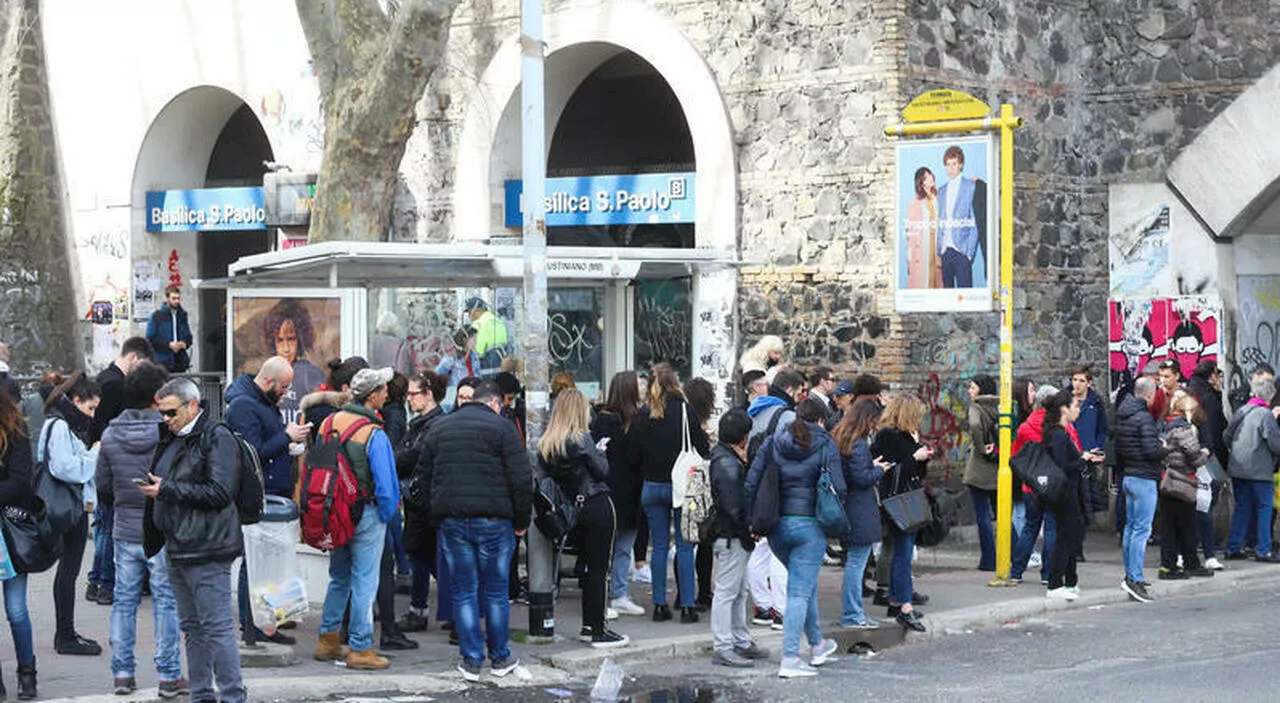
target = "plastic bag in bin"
x: 277, y: 592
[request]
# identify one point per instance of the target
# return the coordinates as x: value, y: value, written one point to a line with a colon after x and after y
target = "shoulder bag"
x: 908, y: 510
x: 34, y: 545
x: 765, y: 510
x: 688, y: 460
x: 828, y: 507
x: 1179, y: 486
x: 1034, y: 467
x: 63, y: 502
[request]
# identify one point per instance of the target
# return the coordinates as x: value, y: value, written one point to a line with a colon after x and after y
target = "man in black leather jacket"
x: 733, y: 544
x: 191, y: 512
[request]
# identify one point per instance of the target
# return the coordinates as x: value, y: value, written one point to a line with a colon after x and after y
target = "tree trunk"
x: 372, y: 69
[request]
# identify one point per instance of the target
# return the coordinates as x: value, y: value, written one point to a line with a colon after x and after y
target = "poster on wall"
x: 946, y: 224
x: 304, y: 330
x: 1140, y: 255
x: 1184, y: 329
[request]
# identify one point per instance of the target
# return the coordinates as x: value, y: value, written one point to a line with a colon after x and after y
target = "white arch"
x: 578, y: 40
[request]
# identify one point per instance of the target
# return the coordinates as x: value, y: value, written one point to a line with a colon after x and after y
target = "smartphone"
x: 141, y: 481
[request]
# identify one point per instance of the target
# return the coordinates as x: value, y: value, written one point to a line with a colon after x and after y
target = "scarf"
x: 76, y: 420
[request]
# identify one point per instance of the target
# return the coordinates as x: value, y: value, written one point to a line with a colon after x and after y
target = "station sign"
x: 639, y: 199
x: 206, y: 210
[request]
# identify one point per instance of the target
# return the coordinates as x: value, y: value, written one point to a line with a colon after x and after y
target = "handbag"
x: 765, y: 510
x: 34, y: 545
x: 828, y: 507
x: 687, y: 460
x: 908, y: 510
x: 1035, y: 468
x: 1179, y: 486
x: 63, y: 502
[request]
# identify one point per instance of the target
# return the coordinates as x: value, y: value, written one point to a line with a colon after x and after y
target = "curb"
x: 324, y: 687
x: 267, y: 655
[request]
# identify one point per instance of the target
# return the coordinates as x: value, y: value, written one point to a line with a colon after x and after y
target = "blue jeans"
x: 1254, y: 501
x: 478, y: 552
x: 623, y: 542
x: 901, y: 589
x: 353, y: 574
x: 1019, y: 515
x: 983, y: 501
x: 444, y: 585
x: 395, y: 536
x: 1026, y: 542
x: 15, y: 611
x: 798, y: 543
x: 1204, y: 527
x: 420, y: 590
x: 655, y: 500
x: 131, y: 566
x: 103, y: 572
x: 1140, y: 509
x: 855, y: 564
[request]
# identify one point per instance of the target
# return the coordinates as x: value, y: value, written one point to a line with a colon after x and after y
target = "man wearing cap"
x: 353, y: 567
x: 491, y: 336
x: 842, y: 398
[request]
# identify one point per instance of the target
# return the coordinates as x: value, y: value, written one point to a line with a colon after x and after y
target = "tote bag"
x: 688, y: 460
x: 909, y: 510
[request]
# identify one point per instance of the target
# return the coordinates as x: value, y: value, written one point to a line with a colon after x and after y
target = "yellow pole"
x: 1004, y: 484
x: 1006, y: 123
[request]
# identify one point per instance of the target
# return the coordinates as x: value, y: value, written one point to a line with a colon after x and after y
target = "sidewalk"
x: 960, y: 601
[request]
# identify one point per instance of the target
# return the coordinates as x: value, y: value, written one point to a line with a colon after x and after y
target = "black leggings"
x: 702, y: 565
x: 67, y: 576
x: 598, y: 517
x: 1177, y: 533
x: 1070, y: 521
x: 386, y: 598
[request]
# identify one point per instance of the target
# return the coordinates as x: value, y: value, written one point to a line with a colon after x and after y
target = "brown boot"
x: 366, y: 659
x: 330, y: 648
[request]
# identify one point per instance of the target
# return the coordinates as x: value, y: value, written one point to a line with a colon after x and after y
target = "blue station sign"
x: 206, y: 210
x: 649, y: 198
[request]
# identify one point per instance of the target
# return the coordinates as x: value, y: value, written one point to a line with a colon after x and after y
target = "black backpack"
x: 251, y: 492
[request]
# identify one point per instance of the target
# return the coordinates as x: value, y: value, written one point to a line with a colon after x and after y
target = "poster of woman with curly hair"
x: 304, y: 331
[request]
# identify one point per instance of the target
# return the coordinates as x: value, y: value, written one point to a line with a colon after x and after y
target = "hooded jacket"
x: 1138, y: 441
x: 251, y: 413
x: 798, y: 470
x: 317, y: 406
x: 982, y: 469
x: 128, y: 448
x: 1254, y: 438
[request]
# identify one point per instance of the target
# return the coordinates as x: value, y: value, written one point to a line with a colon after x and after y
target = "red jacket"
x: 1033, y: 431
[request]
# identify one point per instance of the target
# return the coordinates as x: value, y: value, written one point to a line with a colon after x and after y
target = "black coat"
x: 195, y: 513
x: 111, y: 402
x: 419, y: 536
x: 1138, y: 440
x: 473, y: 464
x: 655, y: 444
x: 1216, y: 419
x: 728, y: 485
x: 15, y: 474
x: 624, y: 484
x: 395, y: 422
x: 898, y: 447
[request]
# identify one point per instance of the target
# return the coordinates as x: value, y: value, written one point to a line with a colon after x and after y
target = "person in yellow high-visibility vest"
x: 491, y: 336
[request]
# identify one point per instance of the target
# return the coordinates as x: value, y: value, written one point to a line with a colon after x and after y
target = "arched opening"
x: 205, y: 137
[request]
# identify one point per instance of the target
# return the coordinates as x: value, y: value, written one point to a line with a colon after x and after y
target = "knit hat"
x: 986, y: 384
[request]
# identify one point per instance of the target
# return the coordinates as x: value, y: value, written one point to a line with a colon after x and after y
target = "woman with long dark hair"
x: 801, y: 450
x: 656, y: 439
x: 898, y: 441
x: 610, y: 427
x: 15, y: 492
x: 862, y: 473
x: 702, y: 398
x: 1060, y: 410
x: 568, y: 455
x: 64, y: 444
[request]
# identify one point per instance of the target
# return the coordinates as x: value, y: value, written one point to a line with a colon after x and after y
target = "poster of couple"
x: 946, y: 224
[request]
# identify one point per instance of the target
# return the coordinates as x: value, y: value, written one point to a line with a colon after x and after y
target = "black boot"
x: 26, y: 682
x: 688, y: 616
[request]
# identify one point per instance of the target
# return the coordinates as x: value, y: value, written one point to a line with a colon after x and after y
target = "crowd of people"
x: 799, y: 474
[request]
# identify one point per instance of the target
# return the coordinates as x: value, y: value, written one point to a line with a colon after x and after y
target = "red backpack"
x: 331, y: 499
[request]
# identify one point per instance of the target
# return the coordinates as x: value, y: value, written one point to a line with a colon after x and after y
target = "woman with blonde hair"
x: 765, y: 355
x: 567, y: 454
x: 1178, y: 536
x: 898, y: 442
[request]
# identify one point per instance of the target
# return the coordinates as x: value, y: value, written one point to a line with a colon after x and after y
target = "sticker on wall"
x: 1140, y: 255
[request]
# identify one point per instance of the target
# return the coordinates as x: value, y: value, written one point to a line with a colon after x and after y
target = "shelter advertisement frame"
x: 919, y: 226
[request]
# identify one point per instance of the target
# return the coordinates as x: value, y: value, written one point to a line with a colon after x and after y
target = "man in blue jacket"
x: 170, y: 333
x: 251, y: 411
x: 962, y: 221
x: 1091, y: 426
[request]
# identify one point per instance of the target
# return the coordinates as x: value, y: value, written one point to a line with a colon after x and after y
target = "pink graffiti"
x: 1182, y: 329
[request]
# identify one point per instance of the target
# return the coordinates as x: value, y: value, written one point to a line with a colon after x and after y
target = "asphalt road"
x: 1197, y: 648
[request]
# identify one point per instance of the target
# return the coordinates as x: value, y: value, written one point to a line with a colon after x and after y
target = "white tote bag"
x: 688, y: 459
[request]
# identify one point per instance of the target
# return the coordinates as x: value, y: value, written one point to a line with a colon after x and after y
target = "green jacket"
x: 490, y: 332
x: 982, y: 470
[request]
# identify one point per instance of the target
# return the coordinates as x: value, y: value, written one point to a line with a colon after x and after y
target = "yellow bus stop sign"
x: 944, y: 104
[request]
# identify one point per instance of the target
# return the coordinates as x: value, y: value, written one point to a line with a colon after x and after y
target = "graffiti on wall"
x: 1257, y: 328
x: 1140, y: 254
x: 946, y: 420
x: 1184, y: 329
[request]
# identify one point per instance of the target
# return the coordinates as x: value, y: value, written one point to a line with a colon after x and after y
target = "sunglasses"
x: 169, y: 414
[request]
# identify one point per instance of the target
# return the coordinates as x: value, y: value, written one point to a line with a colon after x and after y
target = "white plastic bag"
x: 608, y: 682
x: 277, y: 592
x: 1204, y: 490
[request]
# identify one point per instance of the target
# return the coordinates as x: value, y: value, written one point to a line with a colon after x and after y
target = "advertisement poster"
x: 946, y: 226
x: 305, y: 330
x: 1184, y: 329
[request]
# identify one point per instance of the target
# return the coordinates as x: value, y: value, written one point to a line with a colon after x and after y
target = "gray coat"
x: 1254, y: 439
x: 128, y: 447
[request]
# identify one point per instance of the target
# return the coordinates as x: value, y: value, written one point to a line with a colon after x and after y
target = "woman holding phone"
x: 898, y: 442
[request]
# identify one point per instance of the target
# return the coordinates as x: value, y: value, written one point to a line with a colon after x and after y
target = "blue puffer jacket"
x: 798, y: 470
x: 860, y: 503
x: 253, y: 415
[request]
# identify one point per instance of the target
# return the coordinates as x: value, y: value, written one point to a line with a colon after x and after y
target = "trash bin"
x: 277, y: 592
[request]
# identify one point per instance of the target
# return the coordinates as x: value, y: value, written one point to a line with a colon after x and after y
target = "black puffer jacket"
x: 195, y: 512
x: 728, y: 481
x: 624, y: 484
x: 474, y: 465
x: 1137, y: 440
x: 15, y: 474
x: 581, y: 470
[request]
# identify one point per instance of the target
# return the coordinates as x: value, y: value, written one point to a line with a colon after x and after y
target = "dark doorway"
x: 236, y: 160
x: 622, y: 119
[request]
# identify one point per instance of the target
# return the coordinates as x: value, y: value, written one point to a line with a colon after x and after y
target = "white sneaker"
x: 610, y: 614
x: 794, y: 668
x: 1073, y: 589
x: 1179, y: 561
x: 1062, y: 593
x: 822, y: 653
x: 1034, y: 562
x: 1213, y: 564
x: 626, y: 606
x: 642, y: 575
